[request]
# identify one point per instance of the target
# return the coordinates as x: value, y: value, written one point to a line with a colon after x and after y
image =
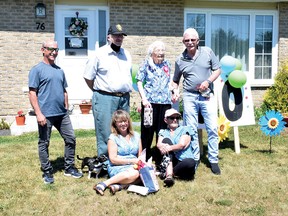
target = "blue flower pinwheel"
x: 272, y: 123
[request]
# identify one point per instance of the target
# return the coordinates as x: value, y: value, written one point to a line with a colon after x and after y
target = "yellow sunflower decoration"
x: 223, y: 128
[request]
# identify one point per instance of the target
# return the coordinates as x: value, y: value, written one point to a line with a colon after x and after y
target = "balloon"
x: 237, y: 79
x: 238, y: 65
x: 135, y: 69
x: 135, y: 87
x: 228, y: 64
x: 224, y: 76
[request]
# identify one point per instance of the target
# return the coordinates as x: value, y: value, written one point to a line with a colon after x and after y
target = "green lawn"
x: 254, y: 182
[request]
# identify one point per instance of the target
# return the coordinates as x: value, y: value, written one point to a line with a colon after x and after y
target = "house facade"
x: 255, y: 32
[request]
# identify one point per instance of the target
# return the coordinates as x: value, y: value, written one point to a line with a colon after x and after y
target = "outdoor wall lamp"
x: 40, y: 10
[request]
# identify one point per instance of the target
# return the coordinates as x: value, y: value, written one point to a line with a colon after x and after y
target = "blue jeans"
x: 63, y: 124
x: 104, y: 106
x: 193, y: 104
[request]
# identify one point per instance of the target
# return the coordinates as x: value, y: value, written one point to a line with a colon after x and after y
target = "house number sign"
x: 40, y: 26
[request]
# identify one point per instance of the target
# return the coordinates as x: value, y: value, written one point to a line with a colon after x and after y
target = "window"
x: 263, y: 47
x: 75, y: 45
x: 248, y: 36
x: 102, y: 28
x: 81, y: 32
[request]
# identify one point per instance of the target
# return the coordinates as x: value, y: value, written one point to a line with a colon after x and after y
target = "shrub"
x: 4, y: 125
x: 276, y: 96
x: 134, y: 114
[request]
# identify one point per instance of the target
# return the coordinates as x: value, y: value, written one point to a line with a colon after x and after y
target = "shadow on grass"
x: 58, y: 164
x: 226, y: 144
x: 230, y: 144
x: 266, y: 151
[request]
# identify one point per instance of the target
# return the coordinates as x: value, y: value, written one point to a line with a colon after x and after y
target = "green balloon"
x: 237, y: 78
x: 135, y: 69
x: 238, y: 65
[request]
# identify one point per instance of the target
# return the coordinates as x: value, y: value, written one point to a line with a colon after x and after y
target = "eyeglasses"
x: 51, y: 49
x: 192, y: 40
x: 173, y: 118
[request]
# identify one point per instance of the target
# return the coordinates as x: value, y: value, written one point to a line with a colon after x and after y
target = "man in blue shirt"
x: 49, y: 99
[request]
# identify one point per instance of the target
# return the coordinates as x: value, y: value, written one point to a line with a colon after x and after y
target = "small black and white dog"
x: 94, y: 164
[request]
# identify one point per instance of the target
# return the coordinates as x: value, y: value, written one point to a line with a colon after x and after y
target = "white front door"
x: 76, y: 44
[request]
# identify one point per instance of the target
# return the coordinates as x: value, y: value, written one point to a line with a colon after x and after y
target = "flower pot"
x: 85, y: 108
x: 20, y: 120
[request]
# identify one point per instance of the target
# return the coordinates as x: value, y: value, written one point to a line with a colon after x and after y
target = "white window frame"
x: 252, y: 13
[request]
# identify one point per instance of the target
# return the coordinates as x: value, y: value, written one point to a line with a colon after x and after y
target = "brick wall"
x: 283, y: 32
x: 145, y: 22
x: 20, y: 48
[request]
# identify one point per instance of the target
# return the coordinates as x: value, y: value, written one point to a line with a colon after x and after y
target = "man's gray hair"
x: 47, y: 41
x: 191, y: 31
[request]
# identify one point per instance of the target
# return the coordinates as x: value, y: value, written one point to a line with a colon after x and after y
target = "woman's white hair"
x: 191, y: 31
x: 154, y: 45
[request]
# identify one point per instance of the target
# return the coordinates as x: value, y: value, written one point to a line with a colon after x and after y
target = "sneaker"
x: 215, y: 168
x: 48, y: 178
x: 169, y: 181
x: 72, y: 171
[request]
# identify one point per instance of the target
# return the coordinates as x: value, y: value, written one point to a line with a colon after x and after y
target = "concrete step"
x: 79, y: 121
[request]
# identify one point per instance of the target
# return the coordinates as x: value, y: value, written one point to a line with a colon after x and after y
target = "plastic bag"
x: 149, y: 179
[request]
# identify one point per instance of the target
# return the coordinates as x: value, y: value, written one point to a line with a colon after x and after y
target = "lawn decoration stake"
x: 223, y: 128
x: 272, y: 124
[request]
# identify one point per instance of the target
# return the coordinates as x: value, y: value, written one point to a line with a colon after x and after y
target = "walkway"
x: 79, y: 121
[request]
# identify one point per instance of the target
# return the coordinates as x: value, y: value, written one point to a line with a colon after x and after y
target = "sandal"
x: 114, y: 188
x: 100, y: 188
x: 169, y: 181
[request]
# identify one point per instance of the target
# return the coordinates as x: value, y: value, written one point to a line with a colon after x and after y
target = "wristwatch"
x: 209, y: 82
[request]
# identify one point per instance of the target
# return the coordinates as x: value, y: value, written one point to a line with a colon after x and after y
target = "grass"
x: 254, y: 182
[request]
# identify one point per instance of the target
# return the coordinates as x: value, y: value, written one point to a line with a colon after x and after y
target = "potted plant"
x: 20, y: 118
x: 85, y: 106
x: 276, y: 96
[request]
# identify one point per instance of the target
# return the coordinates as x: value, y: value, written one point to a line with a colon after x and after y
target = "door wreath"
x: 78, y: 26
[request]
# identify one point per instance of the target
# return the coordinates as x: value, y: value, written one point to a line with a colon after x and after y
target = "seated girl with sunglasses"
x: 175, y: 141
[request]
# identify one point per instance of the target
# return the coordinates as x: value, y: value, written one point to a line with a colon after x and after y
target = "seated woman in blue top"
x: 124, y: 149
x: 176, y: 141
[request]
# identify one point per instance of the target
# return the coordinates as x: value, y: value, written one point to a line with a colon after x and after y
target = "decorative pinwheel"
x: 223, y: 128
x: 272, y: 124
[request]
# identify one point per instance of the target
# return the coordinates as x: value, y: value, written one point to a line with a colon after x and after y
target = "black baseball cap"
x: 116, y: 29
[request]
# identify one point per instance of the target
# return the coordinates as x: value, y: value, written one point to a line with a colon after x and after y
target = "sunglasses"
x: 192, y: 40
x: 51, y: 49
x: 172, y: 118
